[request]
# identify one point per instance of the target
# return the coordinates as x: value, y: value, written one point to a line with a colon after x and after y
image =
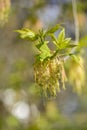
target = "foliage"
x: 49, y: 65
x: 16, y: 68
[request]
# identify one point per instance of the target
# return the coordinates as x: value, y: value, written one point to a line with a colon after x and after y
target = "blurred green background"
x: 21, y: 107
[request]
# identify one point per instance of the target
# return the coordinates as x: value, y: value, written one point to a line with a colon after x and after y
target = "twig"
x: 76, y: 23
x: 74, y: 7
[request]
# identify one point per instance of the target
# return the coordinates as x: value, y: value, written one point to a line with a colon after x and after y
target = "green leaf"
x: 44, y: 51
x: 65, y: 43
x: 54, y: 39
x: 27, y: 33
x: 54, y: 29
x: 44, y: 46
x: 61, y: 36
x: 44, y: 56
x: 61, y: 42
x: 72, y: 46
x: 58, y: 47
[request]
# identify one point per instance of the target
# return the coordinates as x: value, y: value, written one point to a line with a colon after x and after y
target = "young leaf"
x: 43, y: 46
x: 54, y: 29
x: 27, y: 33
x: 58, y: 47
x: 67, y: 41
x: 44, y: 51
x: 61, y: 36
x: 54, y: 39
x: 61, y: 42
x: 72, y: 46
x: 64, y: 44
x: 44, y: 55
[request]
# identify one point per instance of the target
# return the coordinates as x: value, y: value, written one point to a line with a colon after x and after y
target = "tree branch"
x: 74, y: 7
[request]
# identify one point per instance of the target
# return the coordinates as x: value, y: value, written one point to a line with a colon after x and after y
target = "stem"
x: 55, y: 54
x: 76, y: 23
x: 74, y: 7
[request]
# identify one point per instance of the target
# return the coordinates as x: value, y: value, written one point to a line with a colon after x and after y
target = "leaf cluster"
x: 63, y: 45
x: 49, y: 66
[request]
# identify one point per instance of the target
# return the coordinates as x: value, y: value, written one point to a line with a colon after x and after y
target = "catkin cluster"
x: 76, y: 75
x: 50, y: 76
